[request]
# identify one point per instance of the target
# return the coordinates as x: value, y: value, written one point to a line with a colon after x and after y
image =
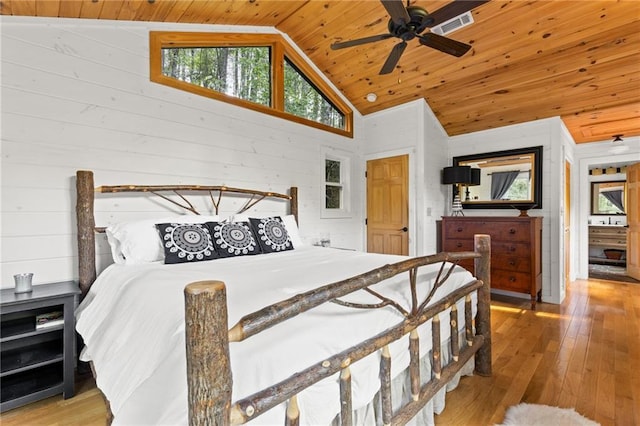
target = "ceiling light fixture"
x: 372, y: 97
x: 617, y: 145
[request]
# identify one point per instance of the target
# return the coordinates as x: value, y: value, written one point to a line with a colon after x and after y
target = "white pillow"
x: 292, y: 229
x: 289, y: 223
x: 138, y: 241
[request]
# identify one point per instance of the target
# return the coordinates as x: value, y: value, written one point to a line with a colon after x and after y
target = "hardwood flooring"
x: 582, y: 354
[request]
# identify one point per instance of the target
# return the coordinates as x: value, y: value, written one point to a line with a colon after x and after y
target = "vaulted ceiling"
x: 579, y: 60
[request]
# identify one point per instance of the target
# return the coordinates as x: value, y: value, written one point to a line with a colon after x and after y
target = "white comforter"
x: 132, y: 322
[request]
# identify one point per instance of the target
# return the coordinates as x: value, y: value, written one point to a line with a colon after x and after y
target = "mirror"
x: 608, y: 198
x: 508, y: 179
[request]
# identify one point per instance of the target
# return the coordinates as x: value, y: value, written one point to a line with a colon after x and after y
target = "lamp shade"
x: 456, y: 174
x: 475, y: 177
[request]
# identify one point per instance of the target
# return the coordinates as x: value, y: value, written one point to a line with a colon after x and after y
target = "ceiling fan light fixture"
x: 408, y: 22
x: 372, y: 97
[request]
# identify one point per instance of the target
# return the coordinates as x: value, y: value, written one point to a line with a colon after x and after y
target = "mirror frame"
x: 536, y: 192
x: 591, y: 201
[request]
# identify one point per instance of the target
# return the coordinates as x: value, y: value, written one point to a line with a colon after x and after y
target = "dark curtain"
x: 501, y: 182
x: 615, y: 197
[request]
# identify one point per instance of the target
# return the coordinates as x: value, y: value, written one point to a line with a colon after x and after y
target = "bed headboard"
x: 85, y: 192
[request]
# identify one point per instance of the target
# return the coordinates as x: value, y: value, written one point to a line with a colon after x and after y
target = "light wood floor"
x: 583, y: 354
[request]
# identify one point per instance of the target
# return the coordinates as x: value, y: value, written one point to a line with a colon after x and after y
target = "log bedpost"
x: 293, y: 202
x: 483, y: 316
x: 207, y: 343
x: 86, y: 230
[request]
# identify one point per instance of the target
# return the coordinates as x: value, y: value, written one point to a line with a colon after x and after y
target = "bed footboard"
x: 208, y: 337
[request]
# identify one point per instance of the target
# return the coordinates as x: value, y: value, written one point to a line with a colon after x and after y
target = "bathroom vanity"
x: 607, y: 244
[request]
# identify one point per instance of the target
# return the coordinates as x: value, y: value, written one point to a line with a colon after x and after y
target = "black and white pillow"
x: 233, y: 239
x: 271, y: 233
x: 186, y: 242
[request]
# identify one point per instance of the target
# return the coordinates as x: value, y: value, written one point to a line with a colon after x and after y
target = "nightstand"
x: 37, y: 338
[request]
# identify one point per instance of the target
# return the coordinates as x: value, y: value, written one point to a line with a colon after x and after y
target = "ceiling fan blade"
x: 397, y: 11
x: 393, y: 58
x: 454, y: 9
x: 357, y: 42
x: 444, y: 44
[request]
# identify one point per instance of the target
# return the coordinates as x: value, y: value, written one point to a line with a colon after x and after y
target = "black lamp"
x: 460, y: 175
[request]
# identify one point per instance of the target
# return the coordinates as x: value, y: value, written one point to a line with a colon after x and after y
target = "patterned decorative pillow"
x: 233, y: 238
x: 186, y: 242
x: 272, y: 234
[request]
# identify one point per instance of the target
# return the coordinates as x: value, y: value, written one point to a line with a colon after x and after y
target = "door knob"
x: 405, y: 229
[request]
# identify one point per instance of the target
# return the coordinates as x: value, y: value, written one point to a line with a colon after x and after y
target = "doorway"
x: 388, y: 205
x: 613, y: 222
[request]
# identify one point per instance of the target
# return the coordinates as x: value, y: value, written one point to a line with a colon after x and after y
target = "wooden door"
x: 388, y: 205
x: 633, y: 220
x: 567, y: 223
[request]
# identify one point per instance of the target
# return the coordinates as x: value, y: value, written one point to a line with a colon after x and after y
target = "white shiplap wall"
x: 550, y: 135
x: 76, y: 95
x: 413, y: 129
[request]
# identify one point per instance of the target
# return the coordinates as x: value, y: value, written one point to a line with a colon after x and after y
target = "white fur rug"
x: 544, y: 415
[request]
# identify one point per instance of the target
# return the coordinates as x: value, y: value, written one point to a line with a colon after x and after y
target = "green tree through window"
x: 301, y: 98
x: 519, y: 189
x: 241, y: 72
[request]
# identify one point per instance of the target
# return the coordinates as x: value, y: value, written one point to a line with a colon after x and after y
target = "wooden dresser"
x: 603, y: 237
x: 516, y: 249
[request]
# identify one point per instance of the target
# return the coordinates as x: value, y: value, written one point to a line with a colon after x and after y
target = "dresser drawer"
x: 498, y: 248
x: 511, y: 263
x: 501, y: 248
x: 609, y: 231
x: 606, y: 240
x: 509, y: 231
x: 498, y: 230
x: 458, y: 244
x: 461, y: 245
x: 510, y: 280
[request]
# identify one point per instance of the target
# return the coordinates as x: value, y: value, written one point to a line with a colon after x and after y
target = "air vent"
x: 453, y: 24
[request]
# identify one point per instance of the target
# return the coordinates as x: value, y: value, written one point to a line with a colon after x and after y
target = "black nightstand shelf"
x: 37, y: 361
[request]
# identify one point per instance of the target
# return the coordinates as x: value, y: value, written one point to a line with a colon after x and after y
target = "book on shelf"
x: 49, y: 319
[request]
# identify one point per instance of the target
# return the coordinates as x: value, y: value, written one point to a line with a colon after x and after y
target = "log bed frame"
x: 208, y: 334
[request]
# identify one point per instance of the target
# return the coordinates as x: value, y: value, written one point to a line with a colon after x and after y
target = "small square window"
x: 336, y: 186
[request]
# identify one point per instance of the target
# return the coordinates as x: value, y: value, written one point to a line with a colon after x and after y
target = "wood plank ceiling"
x: 530, y: 59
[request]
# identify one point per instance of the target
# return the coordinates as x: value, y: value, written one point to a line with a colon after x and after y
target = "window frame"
x: 280, y: 50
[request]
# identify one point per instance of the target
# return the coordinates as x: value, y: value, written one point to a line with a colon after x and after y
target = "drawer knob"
x: 512, y: 248
x: 512, y: 279
x: 512, y: 263
x: 459, y: 245
x: 459, y: 229
x: 512, y: 231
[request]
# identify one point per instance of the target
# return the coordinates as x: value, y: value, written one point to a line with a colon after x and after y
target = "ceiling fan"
x: 409, y: 22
